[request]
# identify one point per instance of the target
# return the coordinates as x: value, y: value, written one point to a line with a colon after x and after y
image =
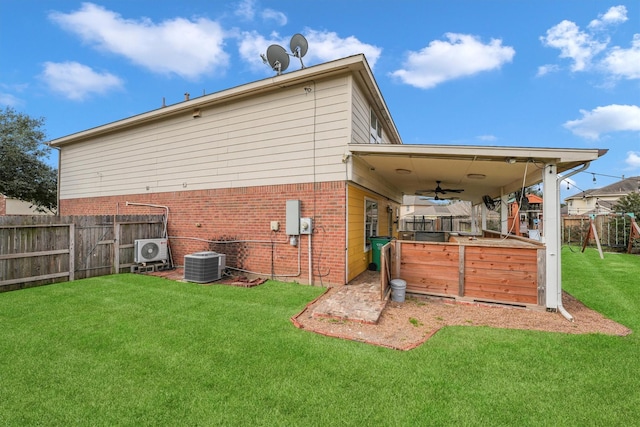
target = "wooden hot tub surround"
x: 491, y: 268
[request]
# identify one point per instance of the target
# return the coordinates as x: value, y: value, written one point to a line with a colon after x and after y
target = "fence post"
x: 72, y: 251
x: 116, y: 247
x: 461, y: 266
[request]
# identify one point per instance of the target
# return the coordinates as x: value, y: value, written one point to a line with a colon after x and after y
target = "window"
x: 370, y: 221
x: 375, y: 129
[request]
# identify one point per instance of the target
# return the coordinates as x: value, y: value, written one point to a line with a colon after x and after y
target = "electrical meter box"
x: 306, y: 226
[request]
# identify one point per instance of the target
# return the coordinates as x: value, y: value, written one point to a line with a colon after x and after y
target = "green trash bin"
x: 377, y: 243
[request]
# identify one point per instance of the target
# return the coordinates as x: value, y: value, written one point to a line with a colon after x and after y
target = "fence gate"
x: 39, y: 250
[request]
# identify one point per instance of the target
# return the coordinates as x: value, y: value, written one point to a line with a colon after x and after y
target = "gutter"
x: 561, y: 308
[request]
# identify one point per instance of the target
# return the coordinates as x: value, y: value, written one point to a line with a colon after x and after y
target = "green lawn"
x: 138, y: 350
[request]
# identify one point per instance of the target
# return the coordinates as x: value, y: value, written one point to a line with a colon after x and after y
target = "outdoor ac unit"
x: 204, y: 267
x: 150, y: 250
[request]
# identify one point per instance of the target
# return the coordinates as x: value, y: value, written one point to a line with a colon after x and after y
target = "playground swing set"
x: 593, y: 234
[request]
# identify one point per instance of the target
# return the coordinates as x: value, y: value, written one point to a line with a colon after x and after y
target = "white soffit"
x: 461, y: 166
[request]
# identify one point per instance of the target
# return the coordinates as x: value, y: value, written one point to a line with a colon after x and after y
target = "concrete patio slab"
x: 358, y: 301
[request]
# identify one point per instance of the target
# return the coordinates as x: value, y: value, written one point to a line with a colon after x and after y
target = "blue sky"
x: 533, y: 73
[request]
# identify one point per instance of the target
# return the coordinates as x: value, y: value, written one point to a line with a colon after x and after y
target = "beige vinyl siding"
x: 265, y: 140
x: 360, y: 116
x: 19, y: 207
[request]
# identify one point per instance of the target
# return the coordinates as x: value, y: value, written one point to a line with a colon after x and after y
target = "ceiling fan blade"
x: 440, y: 190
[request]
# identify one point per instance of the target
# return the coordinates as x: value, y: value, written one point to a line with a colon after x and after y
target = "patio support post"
x: 483, y: 210
x: 504, y: 214
x: 551, y: 237
x: 474, y: 220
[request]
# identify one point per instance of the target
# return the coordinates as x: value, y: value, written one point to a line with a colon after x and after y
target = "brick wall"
x: 242, y: 216
x: 3, y: 205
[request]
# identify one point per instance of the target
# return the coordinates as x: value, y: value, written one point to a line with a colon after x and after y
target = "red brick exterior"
x: 244, y: 215
x: 3, y: 205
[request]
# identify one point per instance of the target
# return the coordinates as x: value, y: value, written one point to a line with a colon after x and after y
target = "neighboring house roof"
x: 602, y: 207
x: 417, y: 201
x: 458, y: 209
x: 617, y: 189
x: 532, y: 198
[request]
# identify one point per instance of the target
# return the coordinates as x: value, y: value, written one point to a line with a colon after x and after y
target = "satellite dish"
x: 299, y: 46
x: 278, y: 58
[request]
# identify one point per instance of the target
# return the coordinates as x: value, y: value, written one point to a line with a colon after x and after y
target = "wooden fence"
x: 40, y: 250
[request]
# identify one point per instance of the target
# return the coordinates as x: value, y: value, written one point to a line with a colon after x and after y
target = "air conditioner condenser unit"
x: 150, y: 250
x: 204, y: 267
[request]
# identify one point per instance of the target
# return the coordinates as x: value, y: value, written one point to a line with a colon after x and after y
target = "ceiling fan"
x: 440, y: 190
x: 437, y: 198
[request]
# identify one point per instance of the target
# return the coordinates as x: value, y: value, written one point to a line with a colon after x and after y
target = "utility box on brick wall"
x: 293, y: 217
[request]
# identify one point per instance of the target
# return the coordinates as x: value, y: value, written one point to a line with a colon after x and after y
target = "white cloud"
x: 633, y: 159
x: 589, y: 50
x: 615, y: 15
x: 252, y: 44
x: 246, y: 10
x: 487, y: 138
x: 624, y: 63
x: 574, y: 44
x: 546, y: 69
x: 328, y: 46
x: 76, y: 81
x: 273, y: 15
x: 9, y: 100
x: 323, y: 46
x: 177, y: 46
x: 461, y: 56
x: 610, y: 118
x: 7, y: 96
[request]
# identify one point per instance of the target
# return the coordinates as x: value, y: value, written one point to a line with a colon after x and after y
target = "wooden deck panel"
x: 500, y: 273
x: 430, y: 268
x: 499, y: 296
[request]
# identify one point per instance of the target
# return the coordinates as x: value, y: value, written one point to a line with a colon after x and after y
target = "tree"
x: 24, y: 175
x: 628, y: 203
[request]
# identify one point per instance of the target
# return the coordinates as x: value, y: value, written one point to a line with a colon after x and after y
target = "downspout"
x: 559, y: 179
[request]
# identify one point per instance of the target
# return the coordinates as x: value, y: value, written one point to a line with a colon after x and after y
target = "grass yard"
x: 138, y: 350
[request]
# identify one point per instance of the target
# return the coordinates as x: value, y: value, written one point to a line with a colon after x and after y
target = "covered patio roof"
x: 492, y: 171
x: 478, y: 170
